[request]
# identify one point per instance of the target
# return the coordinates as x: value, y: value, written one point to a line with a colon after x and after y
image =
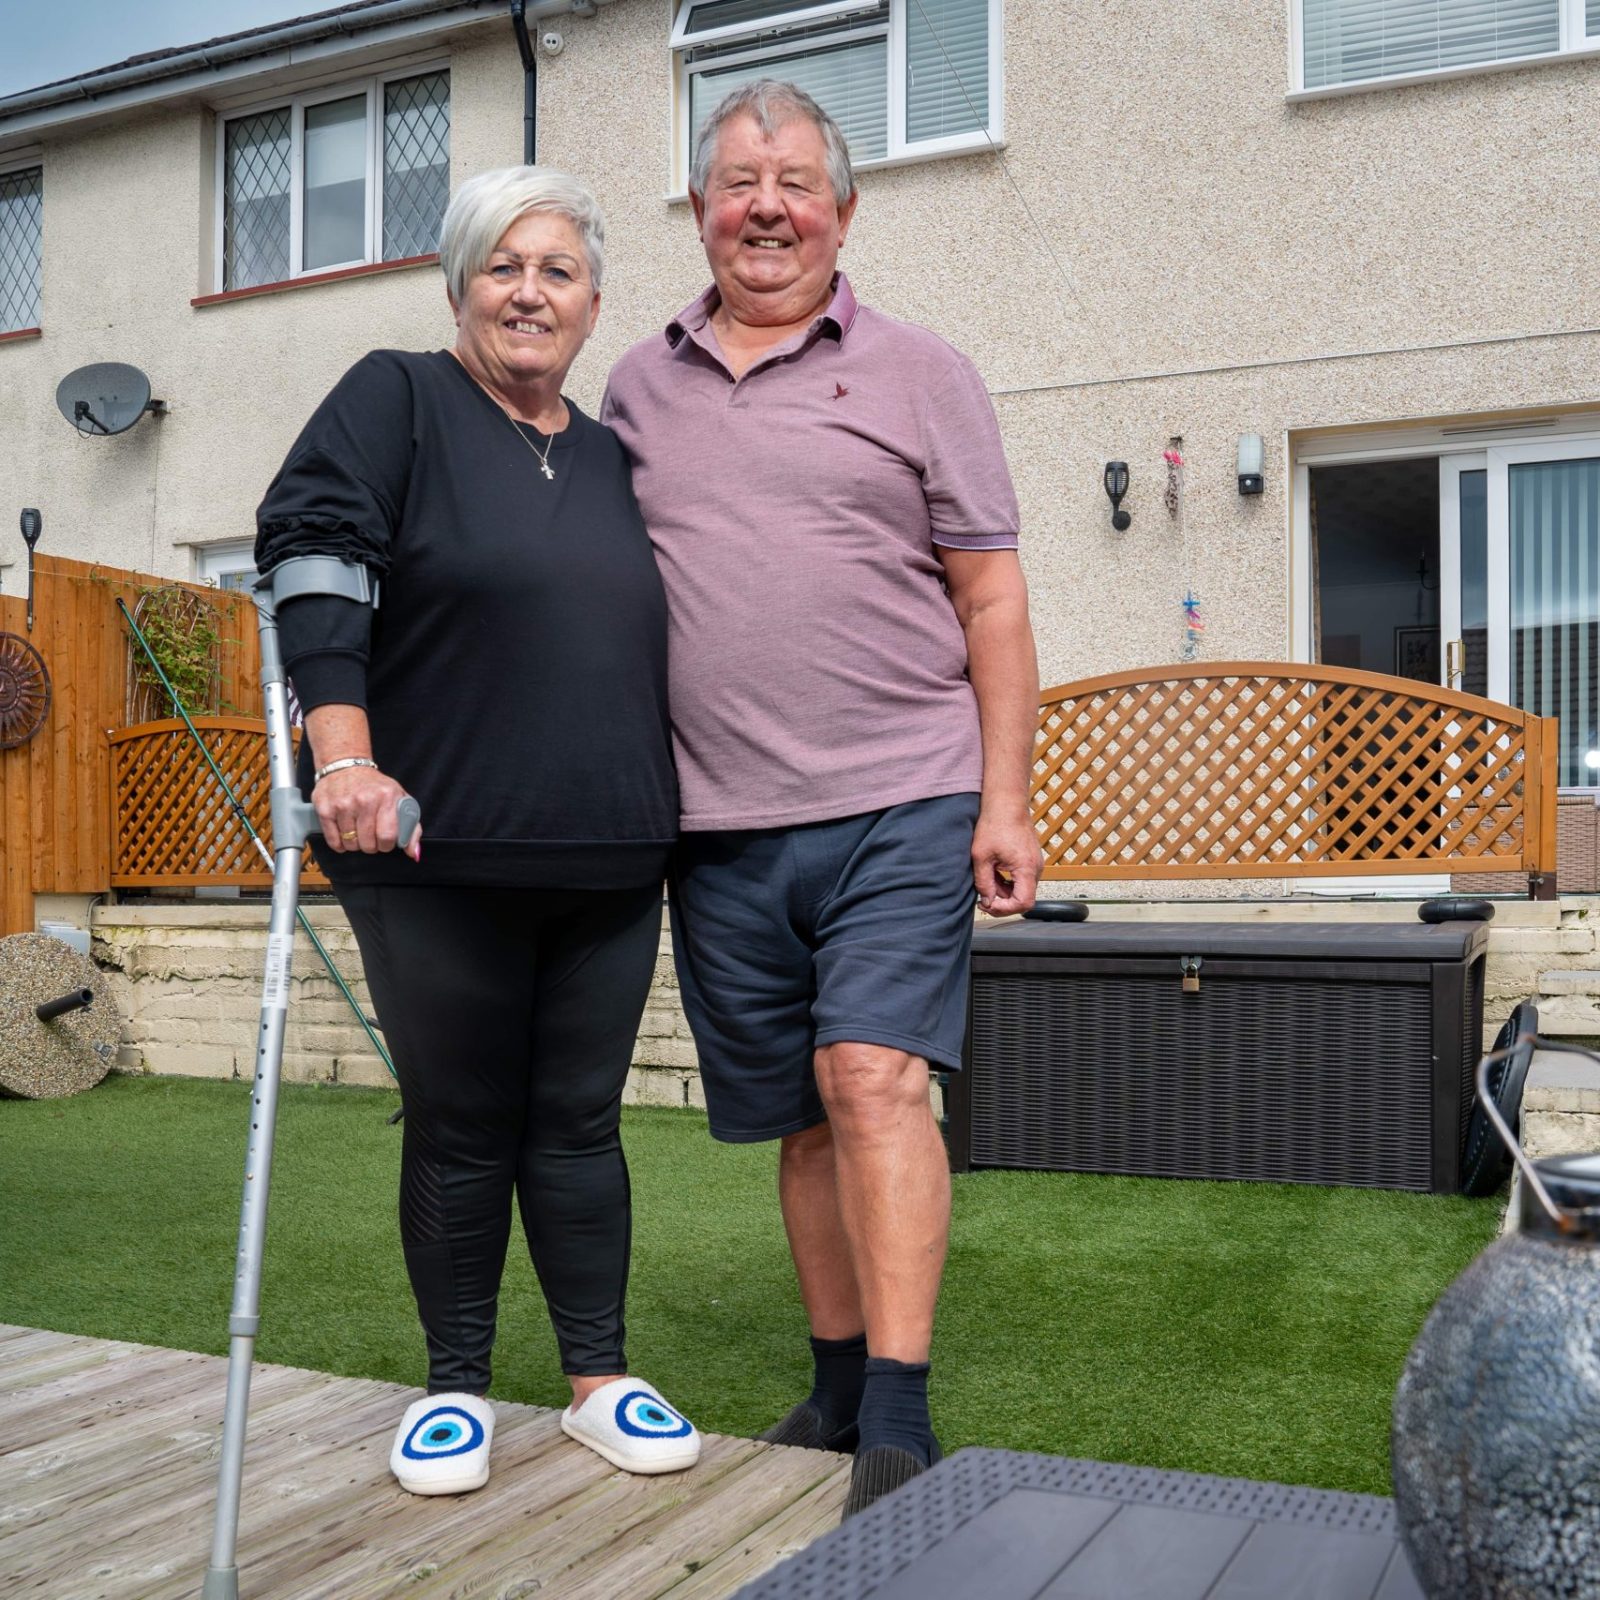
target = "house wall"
x: 1160, y: 209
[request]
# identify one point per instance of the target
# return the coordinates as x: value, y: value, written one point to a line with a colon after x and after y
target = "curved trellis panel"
x: 172, y: 825
x: 1251, y: 769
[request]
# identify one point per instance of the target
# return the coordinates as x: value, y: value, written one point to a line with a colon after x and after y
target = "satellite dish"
x: 106, y: 397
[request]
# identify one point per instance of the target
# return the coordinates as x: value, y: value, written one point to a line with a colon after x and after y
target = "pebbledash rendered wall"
x: 1170, y: 248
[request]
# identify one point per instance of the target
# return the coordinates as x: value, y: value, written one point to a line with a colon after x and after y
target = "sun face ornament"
x: 24, y: 691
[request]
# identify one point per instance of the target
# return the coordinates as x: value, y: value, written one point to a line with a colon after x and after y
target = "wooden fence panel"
x: 1250, y: 769
x: 174, y: 826
x: 55, y: 791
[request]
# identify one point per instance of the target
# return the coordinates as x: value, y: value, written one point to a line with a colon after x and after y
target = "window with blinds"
x: 902, y: 78
x: 947, y: 68
x: 846, y: 79
x: 1356, y: 41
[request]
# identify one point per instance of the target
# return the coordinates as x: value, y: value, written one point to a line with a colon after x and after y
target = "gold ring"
x: 349, y: 833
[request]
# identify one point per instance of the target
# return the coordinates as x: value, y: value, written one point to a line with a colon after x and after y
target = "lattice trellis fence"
x: 172, y: 825
x: 1257, y: 769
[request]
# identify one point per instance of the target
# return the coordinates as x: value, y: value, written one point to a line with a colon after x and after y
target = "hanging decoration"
x: 1173, y: 496
x: 1193, y: 625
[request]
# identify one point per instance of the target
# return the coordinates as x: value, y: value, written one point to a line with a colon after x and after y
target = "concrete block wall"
x: 187, y: 982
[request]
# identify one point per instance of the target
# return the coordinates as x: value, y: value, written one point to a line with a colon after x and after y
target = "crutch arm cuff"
x: 305, y: 575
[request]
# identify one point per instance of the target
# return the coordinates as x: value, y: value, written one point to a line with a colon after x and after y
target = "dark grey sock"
x: 894, y: 1408
x: 840, y: 1373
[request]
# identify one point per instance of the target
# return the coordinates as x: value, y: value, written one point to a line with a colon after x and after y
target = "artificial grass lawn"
x: 1248, y: 1329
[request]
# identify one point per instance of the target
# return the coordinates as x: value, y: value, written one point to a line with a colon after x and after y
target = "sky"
x: 43, y: 40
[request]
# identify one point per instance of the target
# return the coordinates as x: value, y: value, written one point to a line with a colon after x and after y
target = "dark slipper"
x: 880, y: 1470
x: 802, y: 1430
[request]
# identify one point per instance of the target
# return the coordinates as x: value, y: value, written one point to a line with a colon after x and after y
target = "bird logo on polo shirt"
x: 839, y: 391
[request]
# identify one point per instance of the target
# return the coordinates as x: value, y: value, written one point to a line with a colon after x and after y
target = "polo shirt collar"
x: 835, y: 321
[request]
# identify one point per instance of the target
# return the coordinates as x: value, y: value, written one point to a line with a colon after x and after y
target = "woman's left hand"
x: 359, y: 810
x: 358, y: 806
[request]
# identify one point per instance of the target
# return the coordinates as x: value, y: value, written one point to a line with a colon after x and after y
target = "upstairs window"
x: 21, y: 232
x: 339, y: 179
x: 1345, y: 42
x: 904, y: 79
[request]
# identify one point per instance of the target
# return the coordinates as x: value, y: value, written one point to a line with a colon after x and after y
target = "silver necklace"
x: 541, y: 456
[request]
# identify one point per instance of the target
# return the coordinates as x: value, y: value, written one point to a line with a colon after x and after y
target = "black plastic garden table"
x: 997, y: 1525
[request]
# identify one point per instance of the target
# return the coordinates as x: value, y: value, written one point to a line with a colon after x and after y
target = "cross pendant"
x: 547, y: 469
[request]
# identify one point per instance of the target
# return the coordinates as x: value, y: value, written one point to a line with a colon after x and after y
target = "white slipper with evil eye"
x: 442, y: 1444
x: 629, y: 1424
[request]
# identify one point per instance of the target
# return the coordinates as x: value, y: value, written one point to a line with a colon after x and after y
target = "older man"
x: 854, y: 697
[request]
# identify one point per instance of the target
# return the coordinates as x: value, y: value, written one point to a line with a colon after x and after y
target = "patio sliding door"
x: 1543, y: 521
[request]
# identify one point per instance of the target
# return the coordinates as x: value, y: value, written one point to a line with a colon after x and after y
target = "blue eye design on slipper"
x: 444, y: 1431
x: 648, y: 1416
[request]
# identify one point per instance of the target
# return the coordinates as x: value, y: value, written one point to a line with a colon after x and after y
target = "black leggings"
x: 511, y: 1016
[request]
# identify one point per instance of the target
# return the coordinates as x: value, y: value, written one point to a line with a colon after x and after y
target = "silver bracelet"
x: 339, y: 766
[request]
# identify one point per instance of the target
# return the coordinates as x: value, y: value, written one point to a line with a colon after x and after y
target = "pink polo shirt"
x: 816, y: 666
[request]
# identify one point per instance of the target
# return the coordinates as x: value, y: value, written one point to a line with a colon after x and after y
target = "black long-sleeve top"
x: 514, y: 671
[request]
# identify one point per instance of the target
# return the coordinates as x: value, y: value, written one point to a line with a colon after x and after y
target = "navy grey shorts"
x: 856, y: 929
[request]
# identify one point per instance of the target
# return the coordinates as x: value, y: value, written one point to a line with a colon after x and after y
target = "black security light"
x: 1116, y: 481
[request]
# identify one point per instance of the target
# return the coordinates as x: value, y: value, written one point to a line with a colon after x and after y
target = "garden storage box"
x: 1295, y: 1053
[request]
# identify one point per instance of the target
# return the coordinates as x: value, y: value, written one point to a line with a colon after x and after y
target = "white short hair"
x: 484, y: 206
x: 773, y: 102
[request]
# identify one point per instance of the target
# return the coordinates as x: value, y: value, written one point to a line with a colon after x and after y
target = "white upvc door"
x: 1543, y: 511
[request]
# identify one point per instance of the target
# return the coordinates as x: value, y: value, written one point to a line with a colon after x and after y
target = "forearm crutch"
x: 293, y: 822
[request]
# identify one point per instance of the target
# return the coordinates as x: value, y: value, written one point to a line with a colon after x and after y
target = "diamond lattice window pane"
x: 416, y: 164
x: 21, y: 213
x: 255, y: 200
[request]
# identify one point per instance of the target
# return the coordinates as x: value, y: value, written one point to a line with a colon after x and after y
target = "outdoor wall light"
x: 1116, y: 480
x: 1251, y: 453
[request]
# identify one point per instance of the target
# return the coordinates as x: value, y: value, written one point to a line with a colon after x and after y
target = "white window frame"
x: 214, y: 562
x: 800, y: 14
x: 1575, y: 42
x: 768, y: 44
x: 25, y: 161
x: 373, y: 88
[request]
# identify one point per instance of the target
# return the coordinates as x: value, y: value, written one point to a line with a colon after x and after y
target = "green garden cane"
x: 293, y: 821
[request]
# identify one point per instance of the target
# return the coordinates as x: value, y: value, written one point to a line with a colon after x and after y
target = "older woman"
x: 513, y: 679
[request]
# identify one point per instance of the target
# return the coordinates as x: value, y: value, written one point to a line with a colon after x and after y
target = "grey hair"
x: 484, y: 206
x: 772, y: 102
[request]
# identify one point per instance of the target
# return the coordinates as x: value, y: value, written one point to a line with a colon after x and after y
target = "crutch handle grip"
x: 409, y: 815
x: 295, y: 820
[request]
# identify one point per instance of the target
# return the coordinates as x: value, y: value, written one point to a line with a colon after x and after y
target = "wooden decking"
x: 108, y: 1458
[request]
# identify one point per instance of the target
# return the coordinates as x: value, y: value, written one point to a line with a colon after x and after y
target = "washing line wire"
x: 982, y: 123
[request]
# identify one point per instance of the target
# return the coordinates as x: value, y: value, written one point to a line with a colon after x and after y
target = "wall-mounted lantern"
x: 1116, y: 481
x: 1251, y: 455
